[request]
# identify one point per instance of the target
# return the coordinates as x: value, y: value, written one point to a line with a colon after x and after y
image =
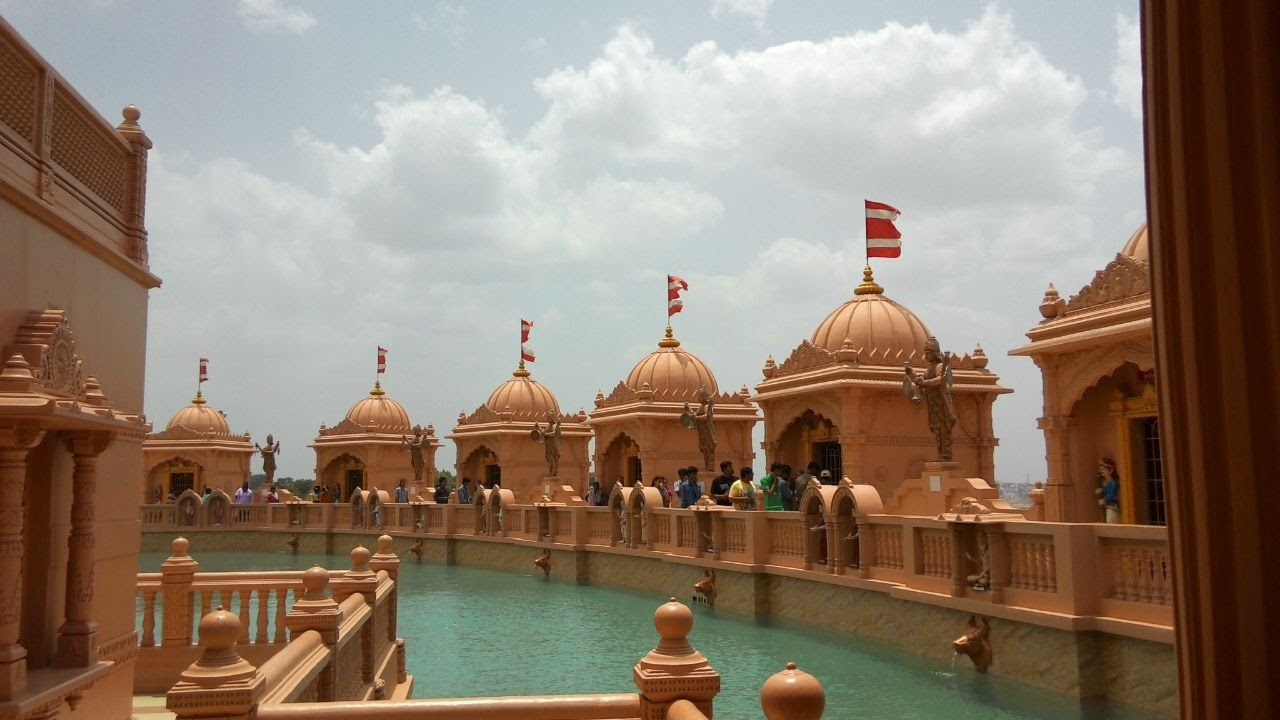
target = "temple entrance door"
x: 1149, y: 473
x: 829, y: 457
x: 635, y: 470
x: 355, y: 479
x: 180, y: 482
x: 493, y: 475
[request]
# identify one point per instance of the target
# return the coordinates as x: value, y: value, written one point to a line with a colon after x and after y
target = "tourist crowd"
x: 779, y: 489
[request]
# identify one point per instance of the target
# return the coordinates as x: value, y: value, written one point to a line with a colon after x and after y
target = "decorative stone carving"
x: 807, y: 356
x: 47, y: 342
x: 1122, y: 278
x: 621, y: 394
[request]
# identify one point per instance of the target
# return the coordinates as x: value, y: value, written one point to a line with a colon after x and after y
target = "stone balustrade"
x: 350, y: 635
x: 329, y: 669
x: 1072, y: 576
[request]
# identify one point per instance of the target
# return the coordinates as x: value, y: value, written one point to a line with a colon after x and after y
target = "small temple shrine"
x: 1096, y: 355
x: 838, y: 399
x: 375, y: 447
x: 669, y: 414
x: 520, y: 440
x: 196, y: 450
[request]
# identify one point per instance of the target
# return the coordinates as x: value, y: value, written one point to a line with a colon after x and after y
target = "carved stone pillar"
x: 317, y: 611
x: 1212, y: 113
x: 77, y: 638
x: 14, y: 444
x: 1059, y: 490
x: 866, y: 547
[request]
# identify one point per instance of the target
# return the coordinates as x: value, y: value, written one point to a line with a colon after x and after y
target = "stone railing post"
x: 221, y: 684
x: 14, y: 444
x: 176, y: 575
x: 997, y: 559
x: 717, y: 534
x: 78, y: 635
x: 360, y: 580
x: 792, y: 694
x: 315, y: 610
x: 387, y: 560
x: 959, y: 583
x: 674, y: 670
x: 866, y: 547
x: 136, y: 193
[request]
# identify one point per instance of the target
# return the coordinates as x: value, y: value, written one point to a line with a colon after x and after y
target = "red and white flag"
x: 526, y: 352
x: 204, y: 369
x: 382, y: 360
x: 883, y: 238
x: 675, y: 286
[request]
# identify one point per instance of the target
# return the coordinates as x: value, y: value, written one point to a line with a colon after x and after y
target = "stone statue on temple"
x: 416, y: 459
x: 550, y: 438
x: 268, y: 453
x: 934, y: 384
x: 704, y: 420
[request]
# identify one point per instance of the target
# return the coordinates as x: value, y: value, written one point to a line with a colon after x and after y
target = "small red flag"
x: 526, y: 352
x: 382, y: 360
x: 675, y: 286
x: 883, y: 238
x: 204, y: 369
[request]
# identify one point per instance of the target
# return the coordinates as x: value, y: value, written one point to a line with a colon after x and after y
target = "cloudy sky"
x: 331, y: 176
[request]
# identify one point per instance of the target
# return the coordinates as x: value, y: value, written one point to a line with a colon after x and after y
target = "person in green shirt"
x: 769, y: 485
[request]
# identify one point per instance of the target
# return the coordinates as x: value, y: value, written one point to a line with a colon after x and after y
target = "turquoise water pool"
x: 475, y: 632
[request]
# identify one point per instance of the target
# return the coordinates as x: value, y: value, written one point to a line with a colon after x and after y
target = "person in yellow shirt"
x: 743, y: 492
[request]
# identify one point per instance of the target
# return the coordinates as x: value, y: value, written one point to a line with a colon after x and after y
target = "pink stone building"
x: 1097, y: 358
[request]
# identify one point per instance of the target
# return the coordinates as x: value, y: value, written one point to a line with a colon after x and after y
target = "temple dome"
x: 201, y: 417
x: 381, y: 412
x: 1139, y: 246
x: 524, y: 397
x: 672, y: 373
x: 872, y: 322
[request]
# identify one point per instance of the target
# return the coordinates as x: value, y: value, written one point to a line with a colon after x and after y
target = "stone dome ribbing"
x: 672, y: 373
x: 201, y: 417
x: 524, y: 397
x: 380, y: 413
x: 872, y: 322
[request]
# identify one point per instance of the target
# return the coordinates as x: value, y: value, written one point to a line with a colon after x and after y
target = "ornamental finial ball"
x: 316, y: 579
x: 219, y: 630
x: 179, y: 546
x: 359, y: 556
x: 131, y: 113
x: 792, y: 695
x: 673, y: 620
x: 384, y: 544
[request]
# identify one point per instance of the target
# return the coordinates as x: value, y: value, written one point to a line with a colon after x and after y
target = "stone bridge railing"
x: 342, y: 652
x: 1072, y: 576
x: 310, y: 643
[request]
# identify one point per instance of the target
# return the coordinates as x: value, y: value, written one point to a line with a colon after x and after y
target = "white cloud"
x: 274, y: 16
x: 1126, y: 77
x: 755, y: 10
x: 742, y: 172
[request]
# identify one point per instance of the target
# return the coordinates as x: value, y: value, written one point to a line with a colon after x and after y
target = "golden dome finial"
x: 669, y: 341
x: 198, y: 399
x: 869, y: 285
x: 377, y: 390
x: 520, y: 372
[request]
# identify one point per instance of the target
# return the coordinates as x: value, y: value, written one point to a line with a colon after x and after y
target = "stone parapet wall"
x: 1084, y: 662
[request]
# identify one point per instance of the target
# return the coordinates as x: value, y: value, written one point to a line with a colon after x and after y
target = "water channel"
x: 472, y: 632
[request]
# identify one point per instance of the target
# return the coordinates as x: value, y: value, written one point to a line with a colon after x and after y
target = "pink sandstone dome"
x: 200, y: 417
x: 672, y: 373
x: 525, y: 397
x: 381, y: 412
x: 1139, y: 246
x: 871, y: 322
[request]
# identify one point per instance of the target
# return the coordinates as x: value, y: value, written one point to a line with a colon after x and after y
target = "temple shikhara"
x: 1134, y: 575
